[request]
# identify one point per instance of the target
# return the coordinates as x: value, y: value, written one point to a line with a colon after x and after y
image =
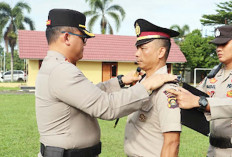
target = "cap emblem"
x: 137, y: 29
x: 217, y: 33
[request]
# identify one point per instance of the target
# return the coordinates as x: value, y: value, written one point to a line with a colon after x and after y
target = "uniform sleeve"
x: 220, y: 108
x: 109, y: 86
x: 69, y: 85
x: 202, y: 87
x: 168, y: 109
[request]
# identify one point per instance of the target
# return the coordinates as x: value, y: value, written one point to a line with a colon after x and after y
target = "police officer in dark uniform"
x: 67, y: 103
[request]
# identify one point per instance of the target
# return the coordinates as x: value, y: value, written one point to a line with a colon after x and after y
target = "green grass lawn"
x: 9, y: 88
x: 19, y: 136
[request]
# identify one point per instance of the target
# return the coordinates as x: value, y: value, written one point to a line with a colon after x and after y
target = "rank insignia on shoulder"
x: 213, y: 80
x: 229, y: 94
x: 172, y: 103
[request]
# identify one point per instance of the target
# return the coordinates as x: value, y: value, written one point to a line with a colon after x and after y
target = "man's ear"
x: 162, y: 52
x: 66, y: 39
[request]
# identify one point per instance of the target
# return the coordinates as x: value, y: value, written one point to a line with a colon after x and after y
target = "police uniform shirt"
x: 145, y: 128
x: 67, y: 103
x: 219, y: 89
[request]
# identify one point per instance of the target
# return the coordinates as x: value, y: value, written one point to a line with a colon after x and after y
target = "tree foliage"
x: 198, y: 52
x: 12, y: 19
x: 223, y: 15
x: 182, y: 30
x: 104, y: 10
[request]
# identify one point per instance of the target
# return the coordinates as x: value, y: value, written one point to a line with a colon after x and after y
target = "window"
x: 8, y: 73
x: 114, y: 70
x: 109, y: 70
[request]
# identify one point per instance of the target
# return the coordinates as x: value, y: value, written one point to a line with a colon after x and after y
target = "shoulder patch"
x: 172, y: 102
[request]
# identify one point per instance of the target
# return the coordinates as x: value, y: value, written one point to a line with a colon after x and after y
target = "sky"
x: 164, y: 13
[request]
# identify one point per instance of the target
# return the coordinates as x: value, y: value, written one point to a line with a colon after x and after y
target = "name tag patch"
x: 210, y: 86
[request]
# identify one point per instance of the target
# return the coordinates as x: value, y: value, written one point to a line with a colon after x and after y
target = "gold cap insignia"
x: 137, y: 29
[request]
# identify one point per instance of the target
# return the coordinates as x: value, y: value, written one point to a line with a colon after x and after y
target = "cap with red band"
x: 147, y: 32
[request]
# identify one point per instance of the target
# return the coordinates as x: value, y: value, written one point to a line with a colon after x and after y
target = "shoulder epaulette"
x: 214, y: 71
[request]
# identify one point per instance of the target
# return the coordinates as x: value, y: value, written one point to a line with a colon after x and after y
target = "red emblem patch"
x: 229, y: 94
x: 211, y: 93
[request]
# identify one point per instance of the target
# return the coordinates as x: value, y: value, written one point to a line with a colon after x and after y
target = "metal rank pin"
x: 142, y: 117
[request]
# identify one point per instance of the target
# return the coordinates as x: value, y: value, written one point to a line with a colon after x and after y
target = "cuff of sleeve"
x: 214, y: 108
x: 207, y: 116
x: 141, y: 89
x: 171, y: 127
x: 113, y: 84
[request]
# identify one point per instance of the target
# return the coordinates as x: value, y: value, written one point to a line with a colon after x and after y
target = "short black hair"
x: 53, y: 33
x: 166, y: 43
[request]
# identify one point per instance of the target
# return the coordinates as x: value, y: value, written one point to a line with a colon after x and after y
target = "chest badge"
x: 142, y: 117
x: 213, y: 80
x: 229, y: 94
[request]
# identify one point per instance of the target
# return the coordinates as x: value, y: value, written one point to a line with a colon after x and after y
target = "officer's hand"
x: 155, y: 81
x: 185, y: 99
x: 131, y: 77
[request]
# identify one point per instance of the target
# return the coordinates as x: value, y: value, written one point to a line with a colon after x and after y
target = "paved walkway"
x: 17, y: 92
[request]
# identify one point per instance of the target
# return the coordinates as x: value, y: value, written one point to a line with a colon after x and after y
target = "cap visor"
x: 220, y: 41
x: 88, y: 34
x: 143, y: 41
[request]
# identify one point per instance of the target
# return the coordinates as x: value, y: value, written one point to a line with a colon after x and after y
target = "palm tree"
x: 102, y: 8
x: 183, y: 31
x: 12, y: 19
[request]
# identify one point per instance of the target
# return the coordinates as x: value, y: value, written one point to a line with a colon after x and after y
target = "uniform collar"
x: 222, y: 73
x: 162, y: 70
x: 56, y: 54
